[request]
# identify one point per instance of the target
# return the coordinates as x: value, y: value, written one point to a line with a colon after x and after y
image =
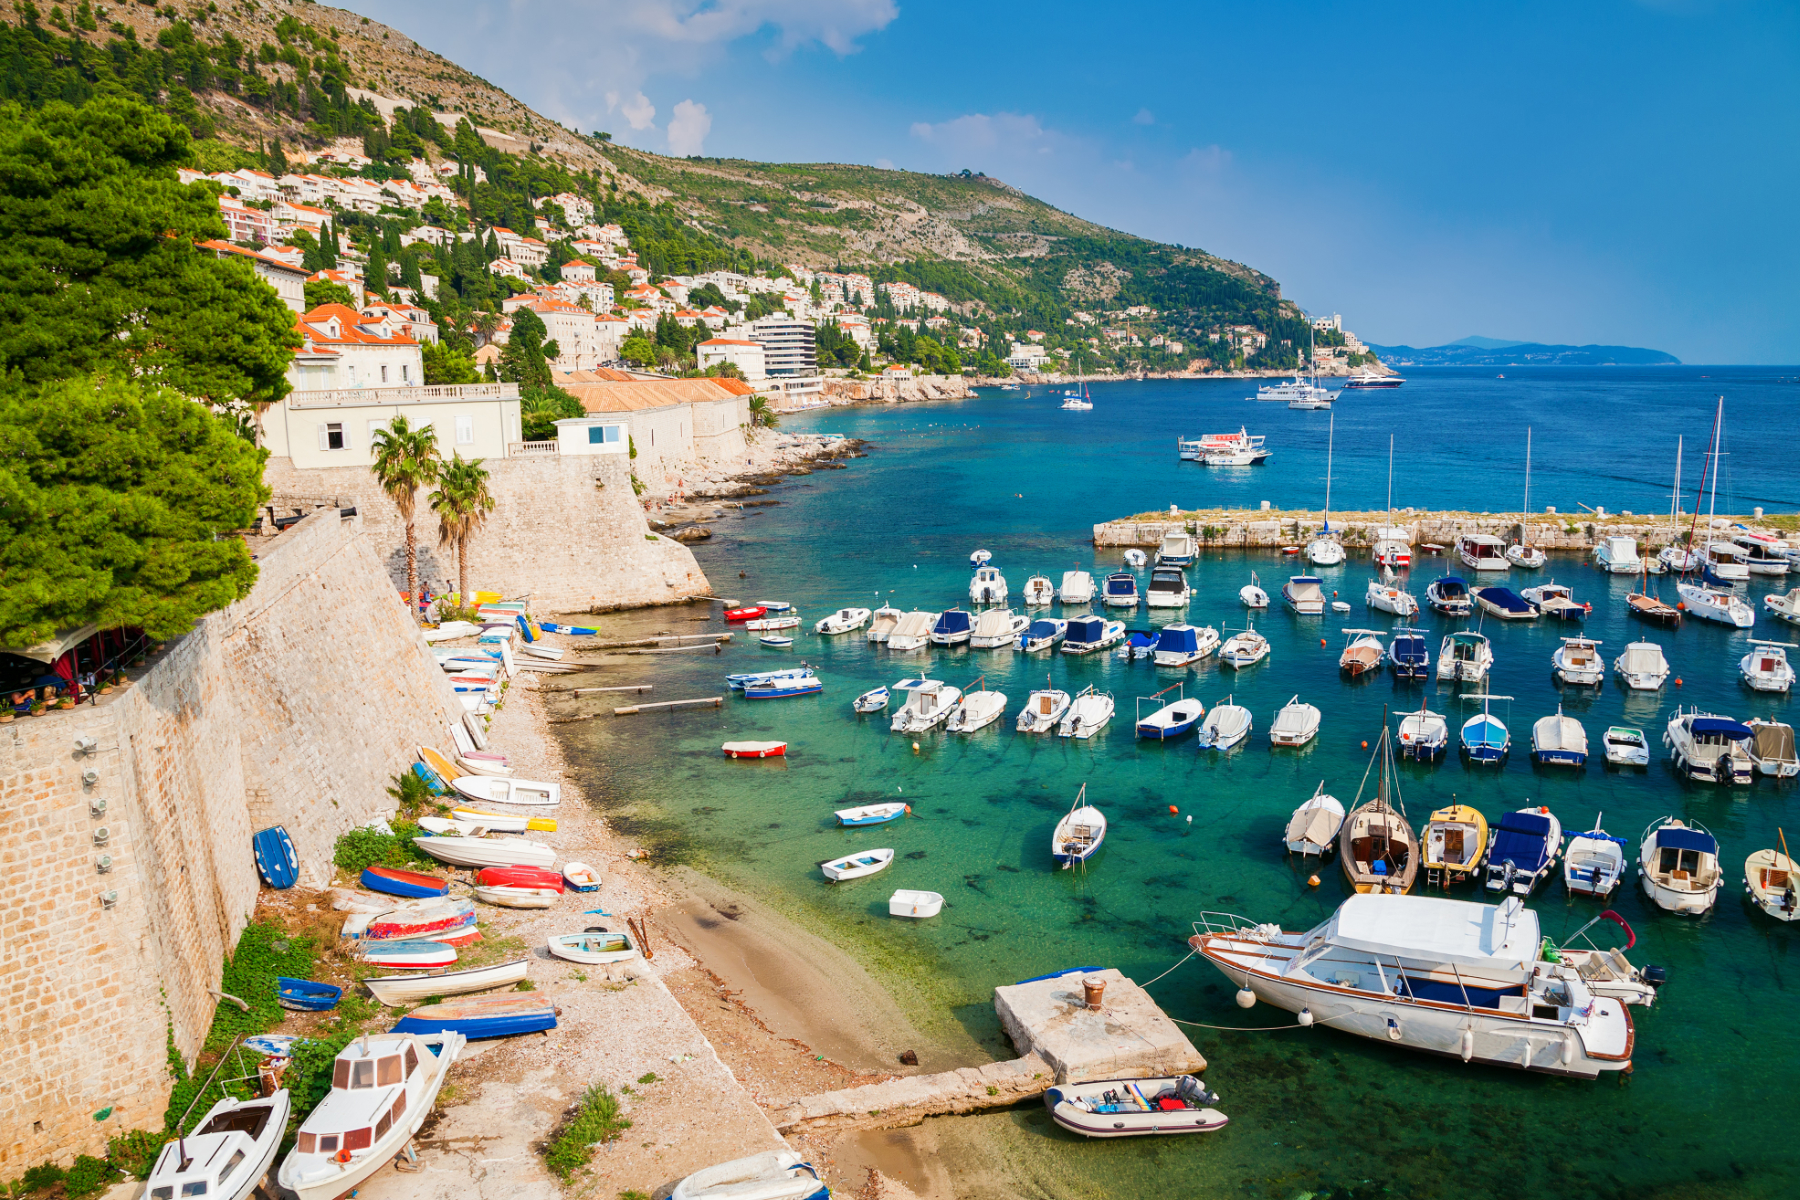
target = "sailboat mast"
x: 1675, y: 493
x: 1712, y: 508
x: 1525, y: 513
x: 1390, y: 478
x: 1705, y: 468
x: 1330, y: 442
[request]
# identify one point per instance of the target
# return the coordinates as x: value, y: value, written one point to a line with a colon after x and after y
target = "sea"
x: 1709, y: 1106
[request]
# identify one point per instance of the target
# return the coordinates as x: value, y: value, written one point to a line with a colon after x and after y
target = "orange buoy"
x: 909, y: 810
x: 1321, y: 641
x: 1678, y: 681
x: 915, y: 747
x: 1173, y: 811
x: 1365, y: 745
x: 1312, y: 881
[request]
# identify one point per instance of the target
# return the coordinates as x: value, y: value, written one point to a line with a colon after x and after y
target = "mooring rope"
x: 1190, y: 954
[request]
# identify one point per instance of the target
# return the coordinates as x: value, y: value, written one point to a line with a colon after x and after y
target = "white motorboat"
x: 1385, y: 595
x: 1120, y: 590
x: 1577, y: 661
x: 1766, y: 667
x: 1253, y: 595
x: 1465, y: 657
x: 1304, y: 595
x: 1716, y: 604
x: 1043, y: 709
x: 912, y: 631
x: 1043, y: 633
x: 1770, y: 882
x: 1451, y: 977
x: 1363, y: 652
x: 1087, y: 715
x: 980, y: 558
x: 1244, y: 649
x: 977, y: 710
x: 383, y: 1086
x: 1618, y: 556
x: 953, y: 627
x: 1559, y: 740
x: 1449, y: 595
x: 1171, y: 720
x: 1678, y: 862
x: 1482, y: 552
x: 1113, y: 1108
x: 1523, y: 851
x: 1090, y: 635
x: 1626, y: 747
x: 772, y: 1175
x: 844, y: 620
x: 1077, y: 588
x: 997, y: 628
x: 1135, y: 559
x: 1424, y: 735
x: 1225, y: 726
x: 872, y: 814
x: 916, y: 905
x: 1709, y: 748
x: 593, y: 948
x: 1594, y: 862
x: 413, y: 987
x: 928, y: 704
x: 487, y: 851
x: 1726, y: 562
x: 1762, y: 553
x: 226, y: 1155
x: 1556, y: 601
x: 873, y: 700
x: 518, y: 792
x: 1324, y: 551
x: 1392, y: 552
x: 1771, y: 748
x: 1039, y: 591
x: 1679, y: 560
x: 1168, y: 588
x: 1183, y: 645
x: 1784, y: 607
x: 882, y: 624
x: 1296, y: 723
x: 1642, y: 666
x: 1313, y: 828
x: 772, y: 624
x: 1528, y: 558
x: 858, y: 865
x: 1178, y: 549
x: 988, y: 586
x: 1079, y: 835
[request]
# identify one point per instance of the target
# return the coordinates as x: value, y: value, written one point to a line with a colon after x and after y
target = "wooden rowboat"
x: 441, y: 764
x: 754, y: 749
x: 594, y: 948
x: 481, y: 1017
x: 505, y: 822
x: 518, y: 897
x: 404, y: 989
x: 396, y: 882
x: 855, y: 866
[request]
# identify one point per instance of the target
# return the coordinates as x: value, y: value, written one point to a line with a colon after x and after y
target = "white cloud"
x: 688, y: 128
x: 1144, y: 117
x: 1005, y: 135
x: 639, y: 113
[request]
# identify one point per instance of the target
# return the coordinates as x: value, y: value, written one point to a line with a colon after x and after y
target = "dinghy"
x: 483, y: 766
x: 503, y: 822
x: 1225, y: 726
x: 1111, y: 1108
x: 784, y: 689
x: 873, y: 700
x: 549, y: 653
x: 1135, y: 559
x: 981, y: 558
x: 872, y: 814
x: 856, y: 866
x: 1626, y: 747
x: 521, y: 792
x: 776, y: 643
x: 773, y: 624
x: 1594, y: 862
x: 1424, y: 735
x: 749, y: 613
x: 396, y: 990
x: 226, y: 1155
x: 449, y: 631
x: 518, y: 897
x: 909, y: 903
x: 411, y: 884
x: 1771, y: 883
x: 1295, y: 724
x: 754, y: 749
x: 487, y: 851
x: 1043, y: 633
x: 772, y: 1175
x: 844, y: 620
x: 1455, y: 838
x: 738, y: 683
x: 1088, y: 714
x: 446, y: 770
x: 1524, y: 850
x: 1043, y: 709
x: 1244, y: 649
x: 531, y: 877
x: 1313, y: 828
x: 580, y: 877
x: 481, y: 1017
x: 415, y: 919
x: 1171, y: 720
x: 1771, y: 748
x: 977, y: 710
x: 1577, y: 661
x: 1139, y: 643
x: 276, y: 860
x: 1559, y: 740
x: 306, y: 995
x: 1363, y: 652
x: 1678, y: 862
x: 1252, y: 593
x: 417, y: 955
x: 592, y: 948
x: 1077, y: 837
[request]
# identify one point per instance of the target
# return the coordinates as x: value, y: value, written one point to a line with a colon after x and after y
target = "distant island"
x: 1492, y: 352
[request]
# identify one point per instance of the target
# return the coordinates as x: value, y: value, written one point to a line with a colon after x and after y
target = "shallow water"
x: 1313, y: 1108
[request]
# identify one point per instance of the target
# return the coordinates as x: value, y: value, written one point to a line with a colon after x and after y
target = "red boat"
x: 745, y: 614
x: 754, y: 749
x: 526, y: 877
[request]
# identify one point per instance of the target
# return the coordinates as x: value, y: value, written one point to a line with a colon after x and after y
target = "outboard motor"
x: 1654, y: 976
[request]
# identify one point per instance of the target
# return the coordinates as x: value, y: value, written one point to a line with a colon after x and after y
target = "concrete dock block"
x: 1129, y: 1036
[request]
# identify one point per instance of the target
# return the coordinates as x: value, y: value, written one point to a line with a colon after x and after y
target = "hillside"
x: 254, y: 82
x: 1468, y: 353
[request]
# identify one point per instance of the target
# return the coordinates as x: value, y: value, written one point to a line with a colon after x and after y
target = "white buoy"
x: 1190, y: 820
x: 1305, y: 1017
x: 1245, y: 998
x: 1468, y: 1044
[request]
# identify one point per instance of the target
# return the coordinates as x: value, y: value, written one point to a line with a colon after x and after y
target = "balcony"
x: 518, y: 449
x: 386, y: 396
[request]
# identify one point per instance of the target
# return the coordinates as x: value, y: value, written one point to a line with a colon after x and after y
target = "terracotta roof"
x: 643, y: 395
x: 350, y: 328
x: 728, y: 342
x: 219, y: 247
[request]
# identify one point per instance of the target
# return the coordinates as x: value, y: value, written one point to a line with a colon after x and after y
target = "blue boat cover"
x: 1687, y: 839
x: 954, y: 620
x: 1183, y: 640
x: 1304, y: 579
x: 1485, y: 731
x: 1721, y: 725
x: 1041, y: 629
x: 1121, y: 584
x: 1450, y: 586
x: 1528, y: 852
x: 1140, y: 640
x: 1506, y: 598
x: 276, y: 861
x: 1086, y: 629
x: 1409, y: 647
x: 1529, y: 821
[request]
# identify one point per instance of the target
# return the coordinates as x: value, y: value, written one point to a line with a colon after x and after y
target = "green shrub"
x: 43, y: 1177
x: 361, y: 848
x: 135, y: 1151
x: 88, y: 1176
x: 596, y: 1118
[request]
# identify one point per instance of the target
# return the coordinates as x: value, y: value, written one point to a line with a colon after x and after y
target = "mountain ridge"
x: 1521, y: 354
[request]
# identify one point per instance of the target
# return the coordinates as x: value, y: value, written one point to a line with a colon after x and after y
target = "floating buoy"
x: 1681, y: 604
x: 1245, y: 998
x: 915, y: 747
x: 1190, y: 819
x: 1678, y: 681
x: 1305, y: 1017
x: 909, y: 810
x: 1334, y: 595
x: 1173, y: 811
x: 1365, y: 745
x: 1321, y: 641
x: 1312, y: 881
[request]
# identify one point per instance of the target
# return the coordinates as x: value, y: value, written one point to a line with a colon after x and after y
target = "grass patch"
x: 650, y: 1077
x: 362, y: 848
x: 594, y: 1119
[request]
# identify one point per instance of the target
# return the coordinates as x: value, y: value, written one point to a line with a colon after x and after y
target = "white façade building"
x: 744, y: 354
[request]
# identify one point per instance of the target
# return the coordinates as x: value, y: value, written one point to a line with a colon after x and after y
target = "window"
x: 388, y: 1070
x: 328, y: 1143
x: 363, y: 1074
x: 236, y: 1158
x: 384, y: 372
x: 196, y: 1188
x: 412, y: 1064
x: 340, y: 1073
x: 600, y: 435
x: 307, y: 1143
x: 358, y: 1139
x: 405, y: 373
x: 399, y: 1104
x: 383, y: 1125
x: 331, y: 437
x: 465, y: 430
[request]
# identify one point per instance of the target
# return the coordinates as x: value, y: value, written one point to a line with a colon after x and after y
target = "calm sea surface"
x: 1707, y: 1111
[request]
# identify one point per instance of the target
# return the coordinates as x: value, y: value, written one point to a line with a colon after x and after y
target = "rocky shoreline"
x: 776, y: 457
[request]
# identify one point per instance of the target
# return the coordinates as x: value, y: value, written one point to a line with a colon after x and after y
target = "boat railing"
x: 1233, y: 925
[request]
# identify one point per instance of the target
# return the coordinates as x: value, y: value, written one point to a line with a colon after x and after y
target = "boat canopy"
x: 1522, y: 838
x: 1501, y: 936
x: 1121, y: 584
x: 1774, y: 743
x: 1505, y: 598
x: 1670, y: 838
x: 1315, y: 824
x: 1087, y: 629
x: 1720, y: 727
x: 1182, y: 639
x: 1305, y: 587
x: 913, y: 624
x: 1451, y: 585
x: 1041, y: 629
x: 1643, y: 658
x: 993, y: 622
x: 1409, y: 647
x: 953, y: 620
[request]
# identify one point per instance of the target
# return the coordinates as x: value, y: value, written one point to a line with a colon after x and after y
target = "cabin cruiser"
x: 1424, y: 735
x: 1766, y: 667
x: 1365, y: 378
x: 1451, y: 977
x: 1716, y: 604
x: 1077, y: 588
x: 1393, y: 546
x: 1578, y: 661
x: 1043, y: 633
x: 1168, y: 588
x: 1449, y: 595
x: 1313, y: 828
x: 988, y: 586
x: 1253, y: 596
x: 1594, y: 863
x: 953, y: 627
x: 1465, y: 657
x: 1043, y: 709
x: 1771, y: 748
x: 1297, y: 393
x: 1725, y: 563
x: 1324, y: 551
x: 1523, y: 851
x: 1762, y: 554
x: 1557, y: 601
x: 1086, y: 635
x: 1196, y: 449
x: 1248, y: 456
x: 1244, y: 649
x: 928, y: 704
x: 1626, y: 747
x: 1642, y: 666
x: 996, y: 628
x: 1455, y: 840
x: 882, y: 624
x: 1171, y: 720
x: 1709, y: 748
x: 1528, y: 558
x: 1180, y: 645
x: 1295, y: 724
x: 1678, y: 862
x: 913, y: 632
x: 226, y: 1155
x: 1387, y: 596
x: 1769, y: 881
x: 1409, y: 654
x: 1087, y: 715
x: 1482, y: 552
x: 977, y: 710
x: 1618, y: 556
x: 1559, y: 740
x: 1485, y: 738
x: 1178, y: 549
x: 1304, y: 595
x: 1363, y: 652
x: 1674, y: 558
x: 1225, y: 726
x: 1121, y: 590
x: 1039, y: 591
x: 1505, y: 604
x: 1784, y: 607
x: 842, y: 621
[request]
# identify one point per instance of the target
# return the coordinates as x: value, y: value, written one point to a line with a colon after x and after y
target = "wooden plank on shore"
x: 678, y: 638
x: 634, y: 687
x: 715, y: 647
x: 713, y: 701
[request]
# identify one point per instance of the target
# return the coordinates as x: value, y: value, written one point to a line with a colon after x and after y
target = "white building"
x: 344, y: 349
x: 288, y: 280
x: 744, y: 354
x: 1027, y: 358
x: 337, y: 427
x: 790, y: 346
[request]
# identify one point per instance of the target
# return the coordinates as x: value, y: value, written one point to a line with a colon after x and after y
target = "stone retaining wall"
x: 1248, y: 528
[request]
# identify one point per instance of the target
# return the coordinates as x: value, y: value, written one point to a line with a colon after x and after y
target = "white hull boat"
x: 487, y: 851
x: 1115, y: 1108
x: 1077, y: 588
x: 1171, y: 720
x: 1244, y: 649
x: 1465, y: 657
x: 1559, y: 740
x: 1039, y: 591
x: 953, y: 627
x: 1078, y: 836
x: 1771, y: 748
x: 1183, y: 645
x: 1313, y: 829
x: 882, y: 624
x: 1618, y: 556
x: 873, y: 700
x: 506, y: 896
x: 1179, y: 549
x: 1642, y: 667
x: 483, y: 766
x: 1770, y: 882
x: 1784, y: 607
x: 1594, y: 863
x: 1295, y: 724
x: 844, y: 620
x: 1225, y: 726
x: 928, y: 704
x: 1626, y: 747
x: 1678, y: 862
x: 1708, y: 748
x: 226, y: 1155
x: 977, y: 711
x: 988, y: 586
x: 997, y: 628
x: 1135, y: 559
x: 915, y: 905
x: 1715, y: 604
x: 774, y: 1175
x: 1042, y: 711
x: 1482, y: 552
x: 872, y: 814
x: 856, y: 866
x: 1324, y: 552
x: 1043, y: 634
x: 1384, y: 595
x: 1766, y: 667
x: 1087, y: 715
x: 1424, y: 735
x: 393, y: 991
x: 1304, y: 595
x: 522, y: 793
x: 1120, y: 590
x: 592, y: 948
x: 1168, y: 588
x: 1253, y: 596
x: 912, y: 631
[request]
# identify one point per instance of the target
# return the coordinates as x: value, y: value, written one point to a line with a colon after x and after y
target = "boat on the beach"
x: 1313, y: 828
x: 1225, y: 726
x: 882, y: 623
x: 1043, y: 633
x: 1524, y: 850
x: 502, y: 822
x: 906, y: 902
x: 912, y: 631
x: 1304, y: 595
x: 1709, y: 748
x: 844, y: 620
x: 1678, y: 862
x: 1485, y: 738
x: 953, y: 627
x: 977, y: 709
x: 1295, y: 724
x: 509, y: 896
x: 1078, y: 836
x: 1385, y: 595
x: 873, y: 700
x: 1505, y: 604
x: 1112, y: 1108
x: 772, y: 1175
x: 306, y: 995
x: 988, y: 586
x: 522, y: 793
x: 226, y: 1155
x: 1556, y: 601
x: 754, y: 749
x: 1253, y: 596
x: 1168, y: 588
x: 1771, y: 748
x: 1077, y: 588
x: 593, y: 948
x: 476, y: 1017
x: 1594, y: 862
x: 784, y: 689
x: 1577, y: 661
x: 1771, y: 883
x: 1409, y: 654
x: 928, y: 704
x: 548, y: 653
x: 1626, y: 747
x: 1482, y: 552
x: 1043, y: 709
x: 579, y: 877
x: 1363, y: 652
x: 449, y: 631
x: 440, y: 763
x: 1376, y: 846
x: 872, y: 814
x: 1088, y: 713
x: 1642, y: 666
x: 409, y: 919
x: 1039, y: 591
x: 1089, y: 635
x: 1465, y: 657
x: 856, y: 866
x: 393, y: 991
x: 1183, y: 644
x: 1243, y: 649
x: 1449, y: 595
x: 1766, y: 667
x: 1423, y: 735
x: 1452, y: 844
x: 397, y: 882
x: 1172, y: 719
x: 1559, y: 740
x: 407, y: 955
x: 487, y: 851
x: 1120, y: 590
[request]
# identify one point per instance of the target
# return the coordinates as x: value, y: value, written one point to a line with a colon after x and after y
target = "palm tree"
x: 406, y: 459
x: 762, y: 415
x: 462, y: 503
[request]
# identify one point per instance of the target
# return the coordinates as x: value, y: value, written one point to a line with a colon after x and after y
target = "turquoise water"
x: 1701, y: 1115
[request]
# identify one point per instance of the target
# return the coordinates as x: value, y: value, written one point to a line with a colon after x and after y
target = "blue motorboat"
x: 1044, y: 633
x: 482, y: 1017
x: 1179, y: 645
x: 783, y: 689
x: 1120, y: 590
x: 305, y: 995
x: 1523, y: 850
x: 1449, y: 595
x: 1506, y: 604
x: 1410, y: 655
x: 1484, y: 736
x: 276, y: 861
x: 1139, y: 643
x: 1088, y: 634
x: 953, y: 627
x: 738, y: 683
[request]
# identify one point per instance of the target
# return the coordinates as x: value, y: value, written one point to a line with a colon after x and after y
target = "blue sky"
x: 1613, y: 171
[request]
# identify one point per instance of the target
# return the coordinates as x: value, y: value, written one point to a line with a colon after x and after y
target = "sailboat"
x: 1078, y: 401
x: 1393, y: 545
x: 1703, y: 600
x: 1376, y: 845
x: 1522, y: 553
x: 1324, y: 550
x: 1673, y: 557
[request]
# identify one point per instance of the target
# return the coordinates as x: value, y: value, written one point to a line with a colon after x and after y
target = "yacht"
x: 1716, y: 604
x: 1465, y: 657
x: 1121, y: 590
x: 1087, y: 635
x: 1178, y: 549
x: 1182, y: 645
x: 1077, y: 588
x: 1524, y: 850
x: 1387, y: 596
x: 1451, y: 977
x: 1618, y: 556
x: 1424, y: 735
x: 1088, y: 714
x: 1409, y: 654
x: 1039, y: 591
x: 1642, y: 667
x: 1365, y: 378
x: 953, y: 627
x: 1304, y: 595
x: 1771, y: 748
x: 1455, y: 841
x: 1168, y: 588
x: 1725, y: 563
x: 1043, y: 633
x: 1709, y: 748
x: 913, y: 631
x: 1449, y: 595
x: 928, y: 704
x: 1762, y: 554
x: 1766, y: 667
x: 1244, y: 649
x: 1485, y: 738
x: 844, y: 620
x: 1298, y: 393
x: 1253, y: 596
x: 988, y: 586
x: 1678, y: 862
x: 1313, y: 828
x: 1577, y: 661
x: 1559, y: 740
x: 882, y: 624
x: 1043, y: 709
x: 1482, y: 552
x: 1296, y: 724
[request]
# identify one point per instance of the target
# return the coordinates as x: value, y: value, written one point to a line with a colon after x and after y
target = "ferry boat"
x: 1197, y: 449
